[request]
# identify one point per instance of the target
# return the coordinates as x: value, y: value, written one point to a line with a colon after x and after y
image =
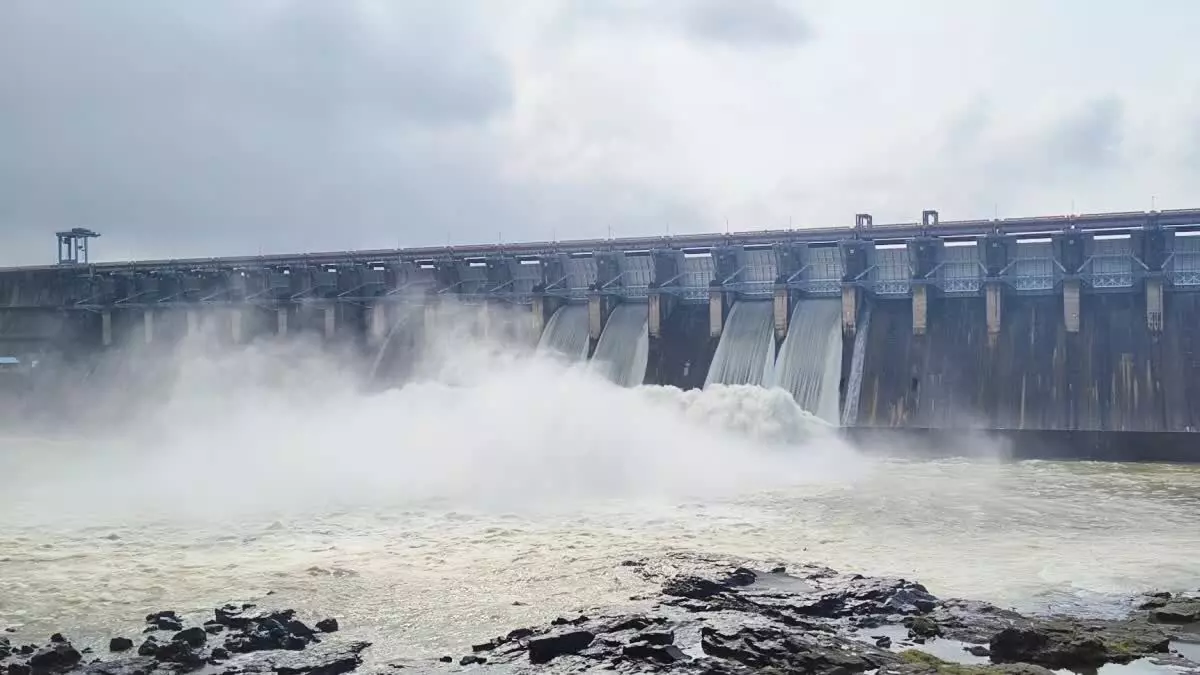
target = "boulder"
x: 546, y: 648
x: 58, y: 656
x: 120, y: 644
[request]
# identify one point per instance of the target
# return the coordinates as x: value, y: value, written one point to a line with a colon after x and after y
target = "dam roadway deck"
x: 1070, y: 336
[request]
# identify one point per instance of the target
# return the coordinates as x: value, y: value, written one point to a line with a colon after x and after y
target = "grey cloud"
x: 745, y: 22
x: 732, y: 23
x: 1092, y: 137
x: 229, y: 129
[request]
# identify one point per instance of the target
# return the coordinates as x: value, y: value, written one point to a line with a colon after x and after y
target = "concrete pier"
x: 1154, y: 305
x: 994, y: 298
x: 781, y: 310
x: 1071, y: 305
x: 281, y: 321
x: 716, y: 312
x: 920, y: 308
x: 148, y: 326
x: 849, y: 310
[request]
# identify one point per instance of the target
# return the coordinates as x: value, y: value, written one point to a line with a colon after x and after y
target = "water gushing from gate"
x: 810, y: 360
x: 567, y: 333
x: 624, y: 346
x: 746, y: 352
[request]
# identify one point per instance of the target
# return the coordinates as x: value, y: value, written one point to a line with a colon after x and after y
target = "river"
x: 506, y: 491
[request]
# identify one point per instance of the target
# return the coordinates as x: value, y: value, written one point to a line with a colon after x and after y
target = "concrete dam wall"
x: 1114, y: 374
x: 1076, y: 327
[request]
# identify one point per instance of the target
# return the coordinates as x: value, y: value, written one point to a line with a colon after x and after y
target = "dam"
x: 1072, y: 336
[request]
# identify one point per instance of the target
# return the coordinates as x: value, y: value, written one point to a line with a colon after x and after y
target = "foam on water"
x: 746, y: 352
x: 810, y: 360
x: 566, y: 333
x: 624, y: 346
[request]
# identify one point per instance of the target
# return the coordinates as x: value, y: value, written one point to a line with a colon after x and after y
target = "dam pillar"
x: 599, y: 307
x: 920, y: 308
x: 716, y: 310
x: 281, y: 321
x: 994, y: 296
x: 544, y: 307
x: 923, y: 255
x: 1071, y: 304
x: 660, y: 306
x: 106, y: 337
x: 849, y: 310
x: 330, y: 321
x: 148, y: 326
x: 1154, y: 305
x: 782, y: 310
x: 377, y: 327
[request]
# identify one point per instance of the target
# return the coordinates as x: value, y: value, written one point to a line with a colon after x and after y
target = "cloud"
x: 745, y: 22
x: 285, y: 125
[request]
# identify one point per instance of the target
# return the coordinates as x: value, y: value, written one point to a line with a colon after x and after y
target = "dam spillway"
x: 1075, y: 330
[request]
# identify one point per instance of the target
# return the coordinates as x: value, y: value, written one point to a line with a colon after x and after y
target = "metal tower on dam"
x: 1078, y: 284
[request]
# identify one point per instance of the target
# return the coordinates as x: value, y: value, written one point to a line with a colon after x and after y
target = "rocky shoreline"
x: 711, y: 616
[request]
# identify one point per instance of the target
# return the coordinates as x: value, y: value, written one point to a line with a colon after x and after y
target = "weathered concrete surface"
x: 682, y: 355
x: 1113, y: 375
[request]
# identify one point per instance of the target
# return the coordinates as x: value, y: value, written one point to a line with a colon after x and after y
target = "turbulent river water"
x: 505, y: 491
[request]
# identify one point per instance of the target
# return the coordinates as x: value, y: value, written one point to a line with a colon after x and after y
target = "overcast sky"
x: 238, y: 126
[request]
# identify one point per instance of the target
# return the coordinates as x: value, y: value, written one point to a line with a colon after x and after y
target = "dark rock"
x: 664, y: 637
x: 1177, y: 612
x: 327, y: 625
x: 977, y: 650
x: 1075, y: 644
x: 518, y: 634
x: 761, y: 647
x: 178, y: 651
x: 472, y: 660
x: 19, y: 669
x: 167, y: 614
x: 212, y: 627
x: 695, y: 588
x: 220, y: 653
x: 148, y: 647
x: 58, y: 656
x: 883, y: 642
x: 925, y: 627
x: 546, y: 648
x: 120, y: 644
x: 168, y: 623
x: 58, y: 637
x: 447, y: 659
x: 324, y: 659
x: 194, y: 636
x: 485, y: 646
x: 300, y: 629
x: 135, y: 665
x: 26, y: 650
x: 659, y: 653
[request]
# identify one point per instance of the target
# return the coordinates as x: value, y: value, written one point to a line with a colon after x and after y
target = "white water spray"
x: 566, y: 333
x: 624, y: 346
x: 746, y: 352
x: 810, y: 360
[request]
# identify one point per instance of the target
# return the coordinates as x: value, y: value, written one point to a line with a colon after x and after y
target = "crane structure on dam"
x: 1074, y: 323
